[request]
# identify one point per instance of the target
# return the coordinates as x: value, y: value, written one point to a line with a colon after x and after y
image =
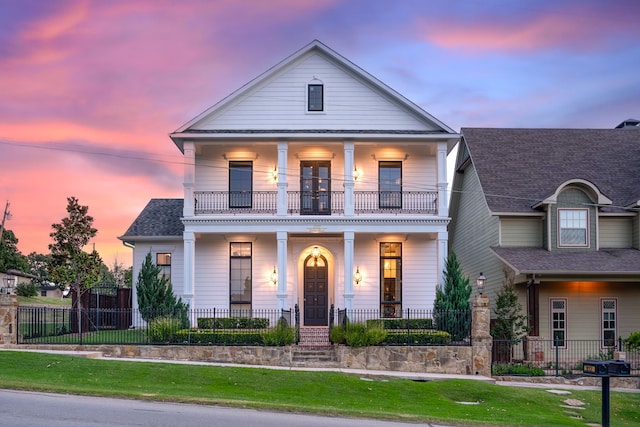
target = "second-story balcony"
x: 315, y: 202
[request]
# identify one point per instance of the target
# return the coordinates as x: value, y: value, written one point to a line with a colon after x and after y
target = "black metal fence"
x: 412, y: 326
x: 47, y: 325
x: 557, y: 358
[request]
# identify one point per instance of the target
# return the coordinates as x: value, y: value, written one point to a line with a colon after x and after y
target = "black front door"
x: 316, y: 294
x: 315, y: 188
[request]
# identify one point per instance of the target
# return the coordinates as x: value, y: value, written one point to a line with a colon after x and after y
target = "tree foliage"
x: 451, y: 307
x: 10, y: 256
x: 511, y: 323
x: 155, y: 295
x: 70, y: 264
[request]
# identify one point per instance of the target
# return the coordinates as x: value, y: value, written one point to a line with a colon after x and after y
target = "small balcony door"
x: 315, y: 188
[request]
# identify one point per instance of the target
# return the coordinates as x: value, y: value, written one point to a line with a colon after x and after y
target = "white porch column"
x: 348, y: 269
x: 189, y: 178
x: 443, y: 250
x: 282, y: 269
x: 443, y: 191
x: 282, y: 178
x: 349, y: 165
x: 189, y: 268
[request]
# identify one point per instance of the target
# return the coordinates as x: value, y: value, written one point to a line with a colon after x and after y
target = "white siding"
x: 615, y: 232
x: 521, y: 232
x: 280, y: 103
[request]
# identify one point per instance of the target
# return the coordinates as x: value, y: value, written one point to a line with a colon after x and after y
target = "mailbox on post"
x: 606, y: 369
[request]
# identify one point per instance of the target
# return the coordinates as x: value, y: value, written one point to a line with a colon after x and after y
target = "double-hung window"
x: 573, y: 227
x: 240, y: 184
x: 390, y: 185
x: 163, y: 262
x: 240, y: 282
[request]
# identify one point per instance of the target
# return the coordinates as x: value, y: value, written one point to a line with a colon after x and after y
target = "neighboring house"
x: 313, y: 185
x: 557, y: 210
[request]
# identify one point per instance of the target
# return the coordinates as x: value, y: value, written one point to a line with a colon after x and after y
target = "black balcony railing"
x: 315, y: 203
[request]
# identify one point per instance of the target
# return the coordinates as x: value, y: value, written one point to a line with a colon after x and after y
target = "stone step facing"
x: 315, y: 356
x: 311, y: 336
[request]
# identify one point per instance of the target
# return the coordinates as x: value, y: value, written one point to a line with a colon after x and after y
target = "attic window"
x: 315, y: 97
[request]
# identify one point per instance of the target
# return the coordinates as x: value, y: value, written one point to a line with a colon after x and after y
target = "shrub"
x: 282, y: 334
x: 28, y: 290
x: 232, y: 323
x: 390, y: 324
x: 633, y: 341
x: 337, y: 335
x: 517, y: 369
x: 209, y: 337
x: 417, y: 338
x: 164, y: 329
x: 361, y: 335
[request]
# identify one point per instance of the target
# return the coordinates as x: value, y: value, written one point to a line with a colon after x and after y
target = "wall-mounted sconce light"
x: 315, y: 253
x: 274, y: 173
x: 356, y: 174
x: 274, y: 276
x: 357, y: 276
x: 480, y: 282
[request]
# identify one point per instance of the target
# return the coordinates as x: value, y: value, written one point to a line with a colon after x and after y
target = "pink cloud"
x: 530, y: 30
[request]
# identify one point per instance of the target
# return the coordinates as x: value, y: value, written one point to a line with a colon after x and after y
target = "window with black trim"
x: 559, y: 321
x: 391, y: 279
x: 240, y: 283
x: 240, y: 184
x: 315, y: 97
x: 163, y: 261
x: 608, y: 310
x: 573, y: 227
x: 390, y: 185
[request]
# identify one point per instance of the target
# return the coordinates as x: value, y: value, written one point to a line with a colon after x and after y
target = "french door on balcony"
x: 315, y: 188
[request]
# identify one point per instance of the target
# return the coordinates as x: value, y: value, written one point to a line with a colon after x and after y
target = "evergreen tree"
x: 451, y: 307
x: 510, y: 325
x: 155, y: 295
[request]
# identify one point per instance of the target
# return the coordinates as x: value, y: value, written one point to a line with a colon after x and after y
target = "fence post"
x: 556, y: 343
x: 481, y: 340
x: 8, y: 316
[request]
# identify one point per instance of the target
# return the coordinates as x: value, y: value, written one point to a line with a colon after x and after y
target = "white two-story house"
x: 315, y: 184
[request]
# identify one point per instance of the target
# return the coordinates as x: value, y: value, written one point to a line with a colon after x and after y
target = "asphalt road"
x: 32, y: 409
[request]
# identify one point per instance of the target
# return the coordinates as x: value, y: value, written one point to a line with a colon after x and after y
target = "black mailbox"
x: 595, y: 367
x: 605, y: 368
x: 619, y: 368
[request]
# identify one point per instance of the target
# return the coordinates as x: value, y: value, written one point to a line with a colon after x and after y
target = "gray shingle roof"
x: 541, y: 261
x: 161, y: 217
x: 519, y: 167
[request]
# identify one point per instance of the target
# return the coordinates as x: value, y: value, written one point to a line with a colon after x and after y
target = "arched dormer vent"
x: 596, y: 196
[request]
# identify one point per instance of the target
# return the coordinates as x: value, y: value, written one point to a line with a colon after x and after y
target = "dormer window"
x: 315, y: 97
x: 573, y: 227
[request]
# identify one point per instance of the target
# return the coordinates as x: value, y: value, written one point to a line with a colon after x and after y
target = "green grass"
x: 327, y: 393
x: 49, y: 301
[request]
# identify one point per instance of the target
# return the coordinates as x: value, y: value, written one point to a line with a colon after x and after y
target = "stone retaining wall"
x: 441, y: 360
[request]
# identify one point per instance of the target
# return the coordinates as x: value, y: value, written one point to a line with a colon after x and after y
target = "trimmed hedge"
x: 208, y: 337
x: 232, y: 323
x: 417, y: 338
x: 391, y: 324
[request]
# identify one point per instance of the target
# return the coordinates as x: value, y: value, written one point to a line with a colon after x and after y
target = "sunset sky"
x: 89, y: 90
